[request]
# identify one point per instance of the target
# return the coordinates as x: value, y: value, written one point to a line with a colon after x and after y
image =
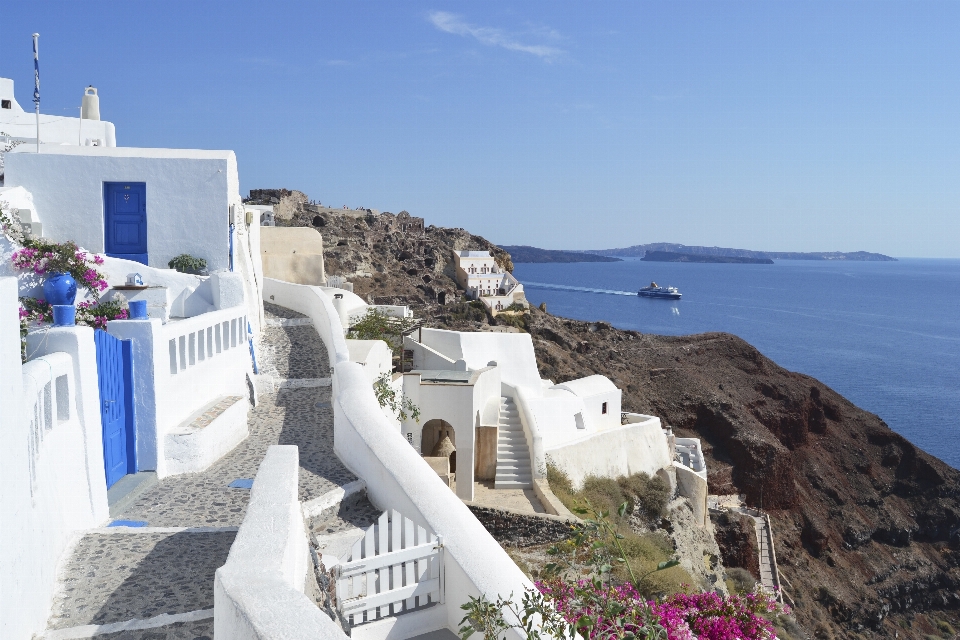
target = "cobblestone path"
x: 156, y: 582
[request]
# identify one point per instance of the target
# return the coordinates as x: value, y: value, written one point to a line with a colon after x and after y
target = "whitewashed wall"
x: 620, y: 451
x: 258, y: 592
x: 188, y: 196
x: 179, y: 368
x: 512, y: 351
x: 396, y: 476
x: 461, y: 406
x: 52, y: 483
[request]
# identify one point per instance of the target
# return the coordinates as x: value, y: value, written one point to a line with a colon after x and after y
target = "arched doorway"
x: 433, y: 431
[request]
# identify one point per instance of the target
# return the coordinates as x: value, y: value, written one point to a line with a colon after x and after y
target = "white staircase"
x: 513, y: 455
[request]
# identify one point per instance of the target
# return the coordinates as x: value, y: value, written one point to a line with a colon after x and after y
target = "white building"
x: 507, y: 422
x: 21, y: 126
x: 482, y: 279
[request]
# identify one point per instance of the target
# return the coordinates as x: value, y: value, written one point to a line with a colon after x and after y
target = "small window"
x: 603, y: 408
x: 6, y: 104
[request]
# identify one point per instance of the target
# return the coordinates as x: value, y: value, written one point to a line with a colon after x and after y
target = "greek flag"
x: 36, y: 70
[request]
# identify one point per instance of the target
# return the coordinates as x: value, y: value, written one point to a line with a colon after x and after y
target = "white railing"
x: 206, y: 355
x: 691, y: 454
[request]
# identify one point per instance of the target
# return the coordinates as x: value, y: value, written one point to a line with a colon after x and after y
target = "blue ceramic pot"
x: 60, y: 288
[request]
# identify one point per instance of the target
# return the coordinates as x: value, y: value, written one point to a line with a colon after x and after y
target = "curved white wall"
x: 396, y: 476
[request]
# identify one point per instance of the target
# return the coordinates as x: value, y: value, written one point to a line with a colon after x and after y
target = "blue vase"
x: 60, y: 288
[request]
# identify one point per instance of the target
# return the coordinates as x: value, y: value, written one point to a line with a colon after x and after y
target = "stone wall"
x: 522, y: 530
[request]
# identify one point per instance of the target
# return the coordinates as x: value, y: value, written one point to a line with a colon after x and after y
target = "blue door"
x: 125, y: 220
x: 115, y: 380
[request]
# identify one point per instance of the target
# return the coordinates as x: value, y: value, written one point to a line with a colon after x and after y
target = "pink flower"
x: 24, y: 313
x: 97, y: 259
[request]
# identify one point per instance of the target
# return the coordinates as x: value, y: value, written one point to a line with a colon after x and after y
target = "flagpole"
x: 36, y: 83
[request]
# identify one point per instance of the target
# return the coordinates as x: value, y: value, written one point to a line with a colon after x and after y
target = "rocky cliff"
x: 866, y: 526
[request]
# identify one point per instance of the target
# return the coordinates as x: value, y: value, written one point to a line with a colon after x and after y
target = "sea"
x: 886, y: 335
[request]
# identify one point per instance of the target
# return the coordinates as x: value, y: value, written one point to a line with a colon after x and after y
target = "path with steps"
x: 513, y: 454
x: 155, y: 582
x: 765, y: 544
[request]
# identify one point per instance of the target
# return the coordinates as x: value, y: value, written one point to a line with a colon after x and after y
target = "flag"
x: 36, y: 71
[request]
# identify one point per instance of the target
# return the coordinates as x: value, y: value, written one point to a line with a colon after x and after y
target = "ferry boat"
x: 655, y: 291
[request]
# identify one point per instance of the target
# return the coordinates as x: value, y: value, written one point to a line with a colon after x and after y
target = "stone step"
x: 512, y: 484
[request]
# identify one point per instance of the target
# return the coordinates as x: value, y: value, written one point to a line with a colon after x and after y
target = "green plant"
x: 739, y: 580
x: 401, y: 406
x: 467, y: 311
x: 946, y: 627
x: 91, y: 314
x: 376, y: 325
x: 185, y: 263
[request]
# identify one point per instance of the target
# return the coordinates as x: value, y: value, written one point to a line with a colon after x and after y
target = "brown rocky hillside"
x: 867, y: 526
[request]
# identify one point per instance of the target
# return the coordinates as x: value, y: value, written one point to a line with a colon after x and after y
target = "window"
x: 6, y: 104
x: 603, y: 408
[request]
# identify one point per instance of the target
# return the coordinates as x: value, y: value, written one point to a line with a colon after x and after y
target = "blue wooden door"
x: 125, y: 220
x: 115, y: 380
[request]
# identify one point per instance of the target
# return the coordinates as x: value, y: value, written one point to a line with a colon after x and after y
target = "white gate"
x: 397, y: 566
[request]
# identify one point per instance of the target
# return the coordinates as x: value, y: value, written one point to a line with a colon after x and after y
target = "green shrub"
x: 649, y: 494
x: 643, y: 552
x: 185, y: 263
x: 946, y: 628
x: 513, y: 320
x: 473, y: 311
x: 739, y: 580
x: 376, y: 325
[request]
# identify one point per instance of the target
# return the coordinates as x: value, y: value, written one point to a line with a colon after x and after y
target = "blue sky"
x: 784, y: 126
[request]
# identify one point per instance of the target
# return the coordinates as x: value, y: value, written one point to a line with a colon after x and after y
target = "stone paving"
x: 115, y: 577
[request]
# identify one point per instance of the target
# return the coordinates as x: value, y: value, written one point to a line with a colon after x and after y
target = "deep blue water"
x: 884, y: 334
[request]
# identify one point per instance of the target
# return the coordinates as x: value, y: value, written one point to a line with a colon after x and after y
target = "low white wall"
x: 51, y: 462
x: 369, y: 445
x: 258, y: 592
x: 179, y: 368
x: 621, y: 451
x: 314, y: 303
x: 374, y: 355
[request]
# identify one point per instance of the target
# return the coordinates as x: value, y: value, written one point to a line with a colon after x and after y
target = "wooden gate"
x: 397, y: 566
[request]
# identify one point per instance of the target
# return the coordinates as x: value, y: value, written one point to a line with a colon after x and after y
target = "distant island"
x: 524, y: 253
x: 641, y: 250
x: 670, y: 256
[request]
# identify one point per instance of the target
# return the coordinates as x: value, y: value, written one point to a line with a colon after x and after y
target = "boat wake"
x: 562, y: 287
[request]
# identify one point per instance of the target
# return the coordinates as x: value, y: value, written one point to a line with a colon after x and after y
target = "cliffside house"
x: 483, y: 279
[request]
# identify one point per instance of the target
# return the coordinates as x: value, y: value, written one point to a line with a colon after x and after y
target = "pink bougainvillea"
x: 704, y: 616
x: 42, y: 257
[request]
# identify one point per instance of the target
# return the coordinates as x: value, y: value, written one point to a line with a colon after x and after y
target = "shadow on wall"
x: 175, y: 576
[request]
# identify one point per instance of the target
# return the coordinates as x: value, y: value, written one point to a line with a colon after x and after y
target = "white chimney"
x: 90, y: 107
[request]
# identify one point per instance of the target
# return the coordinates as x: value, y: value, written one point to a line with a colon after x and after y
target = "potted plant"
x: 65, y: 266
